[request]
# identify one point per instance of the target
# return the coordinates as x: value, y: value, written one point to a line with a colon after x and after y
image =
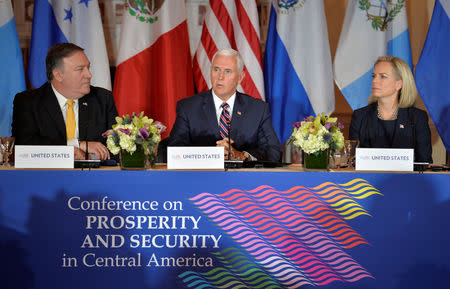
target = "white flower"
x: 126, y: 134
x: 312, y: 135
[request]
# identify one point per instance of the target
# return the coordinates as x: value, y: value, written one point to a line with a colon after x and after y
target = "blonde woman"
x: 391, y: 120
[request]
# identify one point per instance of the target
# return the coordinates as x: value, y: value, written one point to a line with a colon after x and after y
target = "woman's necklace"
x: 393, y: 117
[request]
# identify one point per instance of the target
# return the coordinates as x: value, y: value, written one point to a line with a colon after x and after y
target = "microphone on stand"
x: 229, y: 163
x: 87, y: 163
x: 417, y: 166
x: 413, y: 132
x: 229, y: 139
x: 86, y: 156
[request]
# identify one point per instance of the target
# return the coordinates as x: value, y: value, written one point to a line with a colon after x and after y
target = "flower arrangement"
x: 130, y: 133
x: 316, y: 134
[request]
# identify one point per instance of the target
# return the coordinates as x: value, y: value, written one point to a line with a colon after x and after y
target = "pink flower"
x: 125, y: 131
x: 160, y: 126
x: 107, y: 133
x: 144, y: 133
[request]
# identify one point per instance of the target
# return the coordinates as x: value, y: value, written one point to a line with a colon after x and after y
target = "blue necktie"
x: 224, y: 120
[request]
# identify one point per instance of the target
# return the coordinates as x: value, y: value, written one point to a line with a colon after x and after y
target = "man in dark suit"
x: 66, y: 108
x: 202, y: 119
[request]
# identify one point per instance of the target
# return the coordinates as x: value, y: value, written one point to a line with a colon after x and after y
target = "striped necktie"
x: 70, y: 120
x: 224, y: 120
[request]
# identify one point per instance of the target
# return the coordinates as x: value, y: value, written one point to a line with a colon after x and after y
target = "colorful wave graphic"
x: 298, y: 236
x: 235, y: 271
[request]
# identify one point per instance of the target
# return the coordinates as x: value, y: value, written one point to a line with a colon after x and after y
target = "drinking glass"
x: 336, y: 160
x: 296, y: 155
x: 349, y: 152
x: 6, y: 149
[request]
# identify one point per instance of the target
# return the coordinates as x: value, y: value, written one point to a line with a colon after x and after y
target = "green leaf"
x: 138, y: 140
x: 374, y: 25
x: 332, y: 119
x: 317, y: 123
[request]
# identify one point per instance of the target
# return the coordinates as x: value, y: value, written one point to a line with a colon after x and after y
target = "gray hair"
x: 231, y: 52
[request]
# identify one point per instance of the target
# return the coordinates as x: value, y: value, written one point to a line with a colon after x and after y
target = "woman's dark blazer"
x: 412, y: 131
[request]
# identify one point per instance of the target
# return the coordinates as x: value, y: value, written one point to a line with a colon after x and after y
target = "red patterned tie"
x: 224, y: 120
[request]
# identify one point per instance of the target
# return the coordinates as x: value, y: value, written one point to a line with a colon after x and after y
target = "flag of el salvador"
x: 297, y: 64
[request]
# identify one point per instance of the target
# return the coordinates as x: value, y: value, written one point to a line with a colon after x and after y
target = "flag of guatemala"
x: 297, y: 64
x: 432, y: 71
x: 12, y: 78
x: 76, y: 21
x: 371, y: 28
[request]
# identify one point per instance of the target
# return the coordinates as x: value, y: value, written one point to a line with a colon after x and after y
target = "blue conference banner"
x: 184, y: 229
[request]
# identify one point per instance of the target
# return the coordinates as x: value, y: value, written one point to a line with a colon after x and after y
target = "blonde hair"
x: 407, y: 95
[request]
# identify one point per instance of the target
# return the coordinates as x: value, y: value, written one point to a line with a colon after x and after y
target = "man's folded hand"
x: 97, y: 148
x: 235, y: 154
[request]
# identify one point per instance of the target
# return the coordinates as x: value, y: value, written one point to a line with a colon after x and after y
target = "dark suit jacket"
x: 251, y: 128
x: 412, y: 131
x: 38, y: 120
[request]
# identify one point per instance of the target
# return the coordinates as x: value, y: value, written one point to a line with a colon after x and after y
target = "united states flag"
x: 231, y: 24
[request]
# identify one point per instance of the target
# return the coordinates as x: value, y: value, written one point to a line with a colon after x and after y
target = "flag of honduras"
x: 432, y: 71
x: 76, y: 21
x: 12, y: 78
x: 297, y: 64
x: 371, y: 28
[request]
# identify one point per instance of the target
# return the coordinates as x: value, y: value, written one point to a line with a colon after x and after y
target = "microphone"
x: 411, y: 119
x: 87, y: 163
x: 417, y: 166
x: 86, y: 156
x: 229, y: 163
x: 229, y: 139
x: 413, y: 134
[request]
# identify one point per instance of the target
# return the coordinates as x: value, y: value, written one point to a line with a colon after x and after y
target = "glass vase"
x: 135, y: 161
x: 316, y: 161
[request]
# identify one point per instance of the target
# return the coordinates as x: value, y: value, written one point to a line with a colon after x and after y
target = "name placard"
x: 43, y: 157
x: 180, y: 158
x: 370, y: 159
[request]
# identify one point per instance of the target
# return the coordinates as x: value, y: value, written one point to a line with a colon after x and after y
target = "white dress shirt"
x: 218, y: 102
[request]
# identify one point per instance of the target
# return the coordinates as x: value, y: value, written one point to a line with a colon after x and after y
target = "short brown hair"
x: 56, y: 54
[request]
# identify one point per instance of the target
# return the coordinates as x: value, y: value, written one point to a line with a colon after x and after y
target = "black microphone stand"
x: 86, y: 163
x: 86, y: 156
x: 229, y: 163
x: 229, y: 139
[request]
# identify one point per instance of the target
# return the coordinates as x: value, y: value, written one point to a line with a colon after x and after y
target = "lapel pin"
x: 239, y: 113
x: 85, y: 103
x: 402, y: 126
